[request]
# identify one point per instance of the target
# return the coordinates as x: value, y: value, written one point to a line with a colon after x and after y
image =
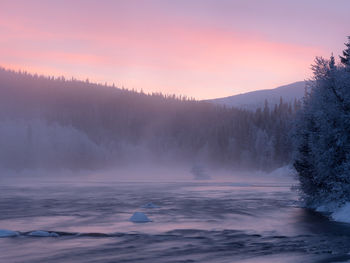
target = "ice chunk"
x: 342, y: 214
x: 40, y: 233
x: 150, y: 205
x: 8, y: 233
x: 139, y: 217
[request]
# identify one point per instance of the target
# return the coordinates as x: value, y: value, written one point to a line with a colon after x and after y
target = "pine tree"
x: 323, y: 137
x: 345, y: 59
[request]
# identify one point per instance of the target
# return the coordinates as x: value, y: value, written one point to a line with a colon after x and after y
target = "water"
x: 195, y: 222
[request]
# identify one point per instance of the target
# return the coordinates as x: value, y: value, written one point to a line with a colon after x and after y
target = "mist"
x: 55, y: 126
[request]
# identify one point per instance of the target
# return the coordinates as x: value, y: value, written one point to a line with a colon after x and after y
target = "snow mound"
x: 150, y: 205
x: 40, y: 233
x: 139, y: 217
x: 8, y: 233
x: 342, y: 214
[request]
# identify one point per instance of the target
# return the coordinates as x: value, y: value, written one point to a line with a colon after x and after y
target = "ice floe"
x: 8, y: 233
x: 139, y: 217
x: 41, y: 233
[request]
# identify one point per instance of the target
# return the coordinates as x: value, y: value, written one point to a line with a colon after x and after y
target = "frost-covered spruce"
x: 323, y: 134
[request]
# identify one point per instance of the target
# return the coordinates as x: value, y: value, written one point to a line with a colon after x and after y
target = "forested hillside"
x: 48, y: 122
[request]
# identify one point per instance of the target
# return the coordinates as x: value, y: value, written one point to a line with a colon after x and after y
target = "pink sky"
x: 199, y: 48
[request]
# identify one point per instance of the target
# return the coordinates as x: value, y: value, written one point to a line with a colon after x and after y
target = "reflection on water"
x: 196, y: 222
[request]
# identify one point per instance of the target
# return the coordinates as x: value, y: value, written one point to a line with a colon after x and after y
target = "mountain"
x: 255, y: 99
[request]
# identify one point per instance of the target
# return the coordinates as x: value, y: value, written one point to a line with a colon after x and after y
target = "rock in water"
x: 150, y: 205
x: 8, y: 233
x: 139, y: 217
x: 40, y: 233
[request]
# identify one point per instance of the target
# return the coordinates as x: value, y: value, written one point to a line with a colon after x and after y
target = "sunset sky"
x: 199, y: 48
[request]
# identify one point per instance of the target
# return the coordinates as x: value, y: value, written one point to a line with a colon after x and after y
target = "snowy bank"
x: 336, y: 211
x: 342, y: 214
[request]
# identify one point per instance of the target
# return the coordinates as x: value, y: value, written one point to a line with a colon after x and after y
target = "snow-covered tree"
x: 323, y: 134
x: 345, y: 59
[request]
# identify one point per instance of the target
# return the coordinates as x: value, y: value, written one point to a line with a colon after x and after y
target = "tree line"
x: 74, y: 124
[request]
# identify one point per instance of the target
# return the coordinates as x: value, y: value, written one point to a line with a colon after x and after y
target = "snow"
x: 150, y: 205
x: 330, y: 207
x: 139, y: 217
x: 8, y: 233
x: 40, y: 233
x: 339, y: 213
x: 342, y: 214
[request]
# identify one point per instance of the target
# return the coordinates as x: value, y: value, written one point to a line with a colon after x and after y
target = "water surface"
x: 195, y: 222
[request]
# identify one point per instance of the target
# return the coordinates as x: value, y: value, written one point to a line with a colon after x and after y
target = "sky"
x: 198, y: 48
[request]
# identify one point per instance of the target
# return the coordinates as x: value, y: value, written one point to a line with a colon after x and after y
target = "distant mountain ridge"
x: 255, y: 99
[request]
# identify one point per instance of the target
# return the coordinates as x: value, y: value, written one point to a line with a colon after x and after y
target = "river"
x: 194, y: 222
